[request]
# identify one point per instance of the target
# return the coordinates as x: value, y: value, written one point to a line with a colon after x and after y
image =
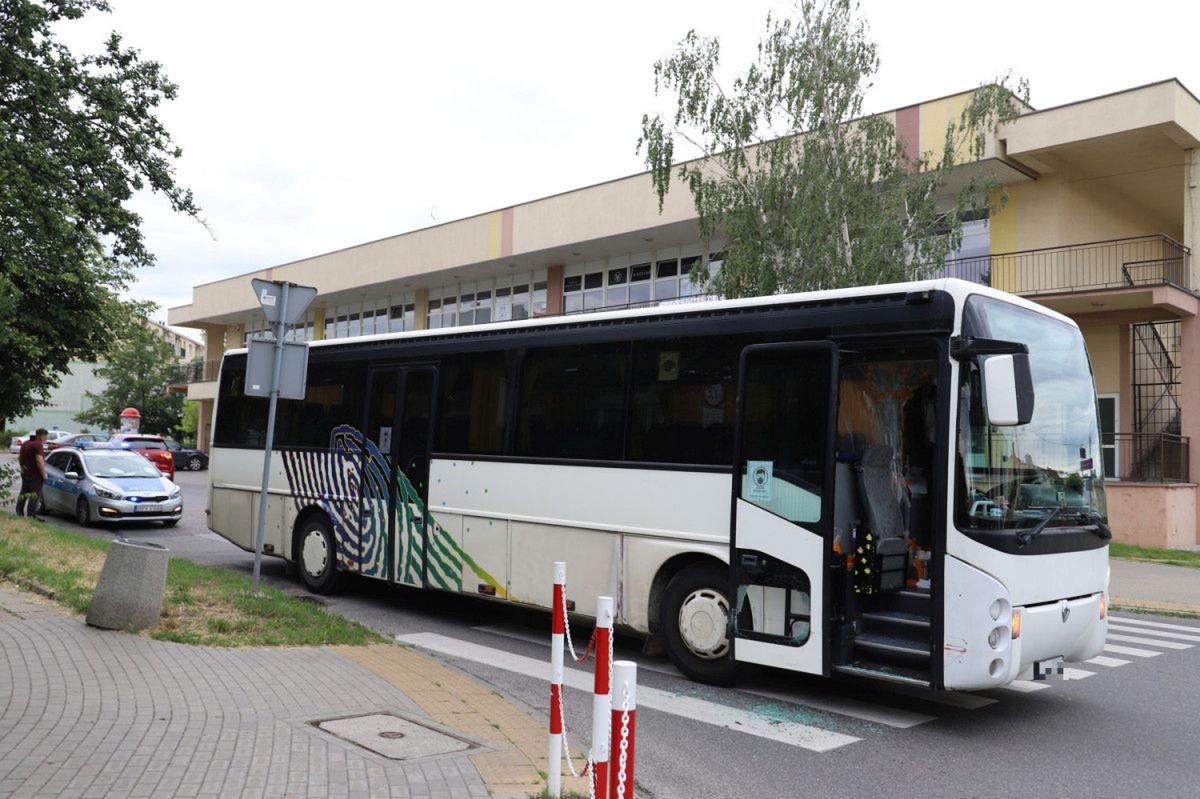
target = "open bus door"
x: 395, y: 490
x: 783, y: 481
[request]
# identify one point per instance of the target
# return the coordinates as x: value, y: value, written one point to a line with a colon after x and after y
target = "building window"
x: 639, y: 284
x: 618, y: 287
x: 538, y: 305
x: 401, y: 317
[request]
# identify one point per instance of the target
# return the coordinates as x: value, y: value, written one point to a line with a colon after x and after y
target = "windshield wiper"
x: 1094, y: 522
x: 1087, y: 519
x: 1026, y: 536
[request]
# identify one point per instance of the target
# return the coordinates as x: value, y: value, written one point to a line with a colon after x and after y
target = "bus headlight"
x: 1103, y: 605
x: 995, y: 637
x: 1016, y: 623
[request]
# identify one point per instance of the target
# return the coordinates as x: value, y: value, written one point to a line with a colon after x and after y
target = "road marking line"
x: 1101, y: 660
x: 854, y: 708
x: 892, y: 717
x: 1134, y: 639
x: 1160, y: 633
x: 517, y: 633
x: 731, y: 718
x: 1025, y: 686
x: 1076, y: 674
x: 1144, y: 623
x: 1130, y: 650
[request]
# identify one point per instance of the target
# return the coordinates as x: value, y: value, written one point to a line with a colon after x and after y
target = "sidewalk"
x: 92, y: 713
x: 1154, y: 586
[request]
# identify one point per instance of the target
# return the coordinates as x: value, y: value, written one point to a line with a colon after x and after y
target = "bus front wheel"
x: 694, y: 623
x: 317, y: 556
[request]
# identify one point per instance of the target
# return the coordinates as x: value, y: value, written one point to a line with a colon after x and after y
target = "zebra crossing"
x: 787, y: 716
x: 1122, y: 631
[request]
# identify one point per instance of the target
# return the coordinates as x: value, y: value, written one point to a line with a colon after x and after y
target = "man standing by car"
x: 32, y: 459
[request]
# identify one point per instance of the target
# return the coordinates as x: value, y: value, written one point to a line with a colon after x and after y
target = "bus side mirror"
x: 1007, y: 389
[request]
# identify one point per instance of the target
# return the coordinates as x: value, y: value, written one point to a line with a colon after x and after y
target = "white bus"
x: 900, y: 481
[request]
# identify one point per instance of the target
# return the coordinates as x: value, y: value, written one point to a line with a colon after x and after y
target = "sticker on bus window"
x: 385, y: 440
x: 759, y: 484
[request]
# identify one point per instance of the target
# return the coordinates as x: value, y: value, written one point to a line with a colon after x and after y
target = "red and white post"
x: 624, y: 714
x: 602, y: 697
x: 557, y: 635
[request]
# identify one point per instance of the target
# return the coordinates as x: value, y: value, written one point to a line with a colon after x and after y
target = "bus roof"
x: 959, y: 289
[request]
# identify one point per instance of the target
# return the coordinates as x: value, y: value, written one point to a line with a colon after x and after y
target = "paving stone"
x: 107, y: 714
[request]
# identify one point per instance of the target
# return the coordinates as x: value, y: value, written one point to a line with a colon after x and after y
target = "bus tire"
x: 317, y: 556
x: 693, y: 621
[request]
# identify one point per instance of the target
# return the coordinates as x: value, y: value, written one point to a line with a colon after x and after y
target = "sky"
x: 308, y: 126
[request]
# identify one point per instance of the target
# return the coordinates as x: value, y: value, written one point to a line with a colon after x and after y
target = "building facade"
x: 1101, y: 217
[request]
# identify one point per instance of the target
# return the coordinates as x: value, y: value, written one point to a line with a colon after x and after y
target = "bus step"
x: 888, y: 646
x: 885, y: 671
x: 915, y: 603
x: 897, y: 618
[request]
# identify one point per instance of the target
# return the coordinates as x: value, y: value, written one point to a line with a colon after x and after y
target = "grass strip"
x: 202, y: 604
x: 1172, y: 557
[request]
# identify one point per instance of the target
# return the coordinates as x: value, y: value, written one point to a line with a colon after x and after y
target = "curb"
x: 1180, y: 609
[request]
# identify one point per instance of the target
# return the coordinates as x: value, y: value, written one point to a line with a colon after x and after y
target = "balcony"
x: 196, y: 372
x: 1140, y: 261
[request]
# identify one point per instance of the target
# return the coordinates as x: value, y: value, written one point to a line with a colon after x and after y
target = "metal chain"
x: 608, y: 721
x: 567, y: 629
x: 561, y: 711
x: 624, y: 758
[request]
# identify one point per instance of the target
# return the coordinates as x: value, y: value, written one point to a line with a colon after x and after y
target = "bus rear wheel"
x: 317, y: 556
x: 694, y: 623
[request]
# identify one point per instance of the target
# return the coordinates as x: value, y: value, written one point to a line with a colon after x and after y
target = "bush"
x: 10, y: 478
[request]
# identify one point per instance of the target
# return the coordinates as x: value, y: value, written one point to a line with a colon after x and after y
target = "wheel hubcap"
x: 702, y: 623
x: 315, y: 553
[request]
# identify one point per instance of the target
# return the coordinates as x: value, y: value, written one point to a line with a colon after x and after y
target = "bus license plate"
x: 148, y: 508
x: 1051, y: 669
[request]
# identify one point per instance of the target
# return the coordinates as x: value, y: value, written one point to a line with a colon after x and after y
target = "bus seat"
x: 877, y: 483
x: 878, y: 488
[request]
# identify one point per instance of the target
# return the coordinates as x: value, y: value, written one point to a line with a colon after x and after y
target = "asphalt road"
x: 1126, y: 726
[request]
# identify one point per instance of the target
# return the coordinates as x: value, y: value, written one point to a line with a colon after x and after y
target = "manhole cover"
x: 393, y: 737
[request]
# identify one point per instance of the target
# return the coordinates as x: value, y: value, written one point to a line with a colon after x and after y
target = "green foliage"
x: 810, y: 194
x: 1172, y: 557
x: 138, y: 371
x: 190, y: 423
x: 78, y: 136
x: 10, y: 477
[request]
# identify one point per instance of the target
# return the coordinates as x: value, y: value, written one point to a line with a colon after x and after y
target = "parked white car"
x: 55, y: 435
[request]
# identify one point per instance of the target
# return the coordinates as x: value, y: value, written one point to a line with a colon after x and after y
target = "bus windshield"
x: 1047, y: 473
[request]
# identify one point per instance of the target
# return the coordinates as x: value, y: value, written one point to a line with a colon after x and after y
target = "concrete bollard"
x: 129, y: 593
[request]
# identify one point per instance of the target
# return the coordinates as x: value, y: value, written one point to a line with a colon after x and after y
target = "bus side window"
x: 572, y: 402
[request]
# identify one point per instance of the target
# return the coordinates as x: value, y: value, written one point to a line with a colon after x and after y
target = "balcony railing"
x: 197, y: 372
x: 1150, y: 457
x: 1120, y: 263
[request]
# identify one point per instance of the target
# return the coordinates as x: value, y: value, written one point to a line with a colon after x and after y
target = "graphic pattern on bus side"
x: 332, y: 480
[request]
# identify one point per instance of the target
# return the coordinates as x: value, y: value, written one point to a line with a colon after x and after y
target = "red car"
x: 152, y: 447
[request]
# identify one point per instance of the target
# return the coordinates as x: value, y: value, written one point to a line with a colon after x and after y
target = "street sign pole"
x: 279, y: 327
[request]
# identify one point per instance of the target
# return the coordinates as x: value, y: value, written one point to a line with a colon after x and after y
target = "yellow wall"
x: 1104, y: 348
x: 1057, y: 210
x: 935, y: 116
